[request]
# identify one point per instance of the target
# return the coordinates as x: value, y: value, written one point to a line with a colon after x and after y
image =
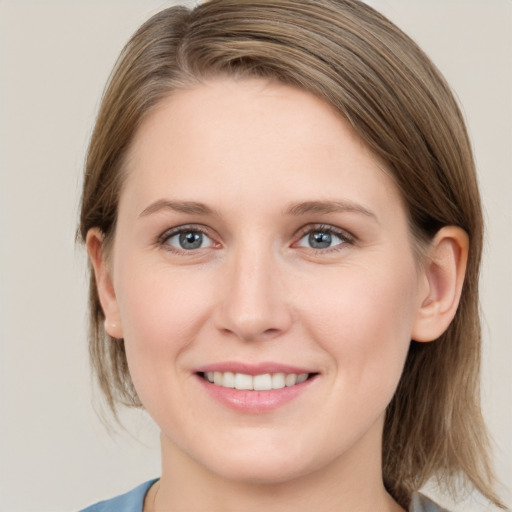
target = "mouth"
x: 259, y: 382
x: 255, y: 388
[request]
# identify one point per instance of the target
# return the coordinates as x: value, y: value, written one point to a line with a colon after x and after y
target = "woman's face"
x: 258, y: 240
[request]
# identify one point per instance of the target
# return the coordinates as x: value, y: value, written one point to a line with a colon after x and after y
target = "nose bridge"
x: 254, y: 301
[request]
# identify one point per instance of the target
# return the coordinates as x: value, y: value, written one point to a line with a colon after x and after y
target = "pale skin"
x: 303, y: 257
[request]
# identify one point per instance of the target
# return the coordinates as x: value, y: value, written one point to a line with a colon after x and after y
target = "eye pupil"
x: 320, y: 239
x: 191, y: 240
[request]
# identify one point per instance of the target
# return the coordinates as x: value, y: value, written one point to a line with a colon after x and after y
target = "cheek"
x: 363, y: 319
x: 158, y: 303
x: 162, y: 312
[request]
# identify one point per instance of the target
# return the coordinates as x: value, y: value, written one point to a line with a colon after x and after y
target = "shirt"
x: 133, y: 501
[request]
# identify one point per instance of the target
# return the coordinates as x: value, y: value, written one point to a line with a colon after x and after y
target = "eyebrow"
x: 191, y: 207
x: 321, y: 207
x: 295, y: 209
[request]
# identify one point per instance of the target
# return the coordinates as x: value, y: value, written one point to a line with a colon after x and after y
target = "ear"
x: 442, y: 279
x: 102, y: 274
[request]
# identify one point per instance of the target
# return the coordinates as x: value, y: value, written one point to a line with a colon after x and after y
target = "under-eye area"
x: 263, y: 382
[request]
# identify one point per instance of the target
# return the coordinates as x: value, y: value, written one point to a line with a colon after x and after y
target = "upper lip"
x: 252, y: 369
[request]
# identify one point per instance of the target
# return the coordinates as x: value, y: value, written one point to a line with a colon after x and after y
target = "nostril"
x: 271, y: 332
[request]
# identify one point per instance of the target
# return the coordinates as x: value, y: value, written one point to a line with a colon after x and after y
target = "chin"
x: 263, y: 465
x: 260, y: 473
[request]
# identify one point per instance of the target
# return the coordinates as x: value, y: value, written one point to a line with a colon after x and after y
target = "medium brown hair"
x: 397, y: 101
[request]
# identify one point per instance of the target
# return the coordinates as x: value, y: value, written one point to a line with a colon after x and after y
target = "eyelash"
x: 343, y: 235
x: 193, y: 228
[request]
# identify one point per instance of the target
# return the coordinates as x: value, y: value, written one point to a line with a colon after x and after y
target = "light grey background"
x: 55, y: 56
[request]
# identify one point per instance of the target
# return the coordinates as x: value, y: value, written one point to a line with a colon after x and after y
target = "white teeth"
x: 302, y: 378
x: 243, y: 381
x: 263, y: 382
x: 290, y: 379
x: 278, y: 381
x: 229, y: 380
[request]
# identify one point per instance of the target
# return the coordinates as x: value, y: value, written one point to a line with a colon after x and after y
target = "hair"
x: 396, y: 100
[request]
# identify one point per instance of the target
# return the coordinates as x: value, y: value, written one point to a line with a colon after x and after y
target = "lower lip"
x: 255, y: 402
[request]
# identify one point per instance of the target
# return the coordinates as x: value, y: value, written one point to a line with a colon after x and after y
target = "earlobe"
x: 443, y: 277
x: 102, y: 274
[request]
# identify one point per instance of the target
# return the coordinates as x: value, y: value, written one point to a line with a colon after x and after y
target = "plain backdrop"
x: 55, y: 56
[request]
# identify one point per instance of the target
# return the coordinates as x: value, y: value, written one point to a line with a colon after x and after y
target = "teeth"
x: 302, y: 378
x: 278, y: 381
x: 264, y: 382
x: 290, y: 379
x: 243, y: 381
x: 229, y: 380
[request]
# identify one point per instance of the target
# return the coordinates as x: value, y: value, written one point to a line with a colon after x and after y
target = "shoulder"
x: 131, y: 501
x: 420, y: 503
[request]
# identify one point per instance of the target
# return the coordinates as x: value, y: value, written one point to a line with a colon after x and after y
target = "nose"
x: 253, y: 300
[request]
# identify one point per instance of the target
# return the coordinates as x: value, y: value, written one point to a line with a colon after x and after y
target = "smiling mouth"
x: 262, y: 382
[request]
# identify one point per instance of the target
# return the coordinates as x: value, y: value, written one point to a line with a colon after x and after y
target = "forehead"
x: 212, y: 110
x: 251, y: 139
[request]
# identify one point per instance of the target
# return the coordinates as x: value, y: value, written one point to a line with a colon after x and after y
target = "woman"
x: 280, y: 196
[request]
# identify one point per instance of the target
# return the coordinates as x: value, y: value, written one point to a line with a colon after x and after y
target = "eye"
x: 322, y: 238
x: 187, y: 239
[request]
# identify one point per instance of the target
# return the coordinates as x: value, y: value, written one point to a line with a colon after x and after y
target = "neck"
x: 352, y: 484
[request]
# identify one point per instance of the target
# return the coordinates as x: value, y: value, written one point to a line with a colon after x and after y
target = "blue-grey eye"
x: 189, y: 240
x: 320, y: 239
